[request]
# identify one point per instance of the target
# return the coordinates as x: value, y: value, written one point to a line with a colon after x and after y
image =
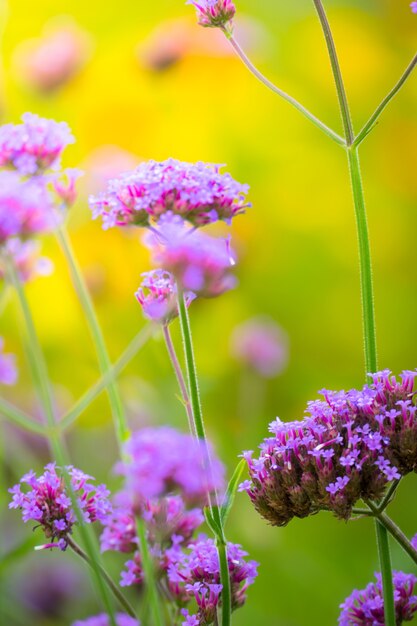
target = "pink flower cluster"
x: 214, y: 13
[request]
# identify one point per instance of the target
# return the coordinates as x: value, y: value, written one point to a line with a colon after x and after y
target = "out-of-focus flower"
x: 64, y: 185
x: 107, y: 162
x: 194, y: 573
x: 25, y: 207
x: 199, y: 263
x: 46, y: 501
x: 163, y: 460
x: 413, y: 6
x: 157, y: 296
x: 53, y: 59
x: 350, y: 446
x: 214, y: 13
x: 34, y: 146
x: 366, y: 607
x: 8, y: 371
x: 103, y: 620
x: 26, y: 257
x: 262, y: 345
x: 198, y: 192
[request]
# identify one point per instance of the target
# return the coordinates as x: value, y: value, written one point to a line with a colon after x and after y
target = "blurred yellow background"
x: 155, y: 85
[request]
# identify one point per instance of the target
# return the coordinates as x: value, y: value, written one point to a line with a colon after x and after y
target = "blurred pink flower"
x: 8, y: 371
x: 27, y: 259
x: 49, y: 61
x: 107, y: 162
x: 262, y: 345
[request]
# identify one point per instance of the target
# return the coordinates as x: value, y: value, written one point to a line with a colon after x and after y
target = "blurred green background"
x: 297, y: 256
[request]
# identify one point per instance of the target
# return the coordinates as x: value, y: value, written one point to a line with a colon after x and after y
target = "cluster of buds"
x: 157, y: 296
x: 214, y: 13
x: 349, y: 447
x: 46, y: 501
x: 366, y: 607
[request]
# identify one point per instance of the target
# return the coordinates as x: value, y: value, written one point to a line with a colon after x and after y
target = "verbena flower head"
x: 164, y: 460
x: 157, y: 296
x: 262, y: 345
x: 214, y: 13
x: 350, y: 446
x: 366, y: 607
x: 27, y: 260
x: 413, y: 6
x: 45, y: 500
x: 198, y: 192
x: 8, y: 371
x: 25, y: 207
x: 194, y: 574
x: 34, y: 146
x: 103, y: 620
x: 199, y: 263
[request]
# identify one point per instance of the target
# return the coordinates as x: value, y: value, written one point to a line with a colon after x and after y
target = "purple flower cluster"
x: 198, y: 192
x: 46, y: 501
x: 157, y: 296
x: 413, y: 6
x: 200, y: 263
x: 350, y: 446
x: 103, y: 620
x: 214, y: 13
x: 8, y: 371
x: 34, y: 146
x: 366, y: 607
x: 193, y: 574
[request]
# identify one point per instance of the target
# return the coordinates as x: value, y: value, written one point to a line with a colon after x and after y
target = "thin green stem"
x: 380, y: 109
x: 302, y: 109
x: 386, y: 573
x: 389, y: 495
x: 398, y: 535
x: 133, y: 348
x: 119, y: 419
x: 20, y: 418
x: 337, y: 74
x: 149, y: 571
x: 179, y: 376
x: 201, y: 434
x: 125, y: 605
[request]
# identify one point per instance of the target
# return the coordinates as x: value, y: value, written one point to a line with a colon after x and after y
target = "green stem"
x: 179, y: 376
x: 201, y: 434
x: 133, y: 348
x: 386, y: 573
x: 18, y: 417
x: 398, y: 535
x: 248, y: 63
x: 149, y: 571
x: 374, y: 117
x: 109, y: 582
x: 119, y: 419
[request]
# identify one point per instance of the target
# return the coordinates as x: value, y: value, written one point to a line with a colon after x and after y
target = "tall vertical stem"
x: 201, y: 434
x: 368, y: 315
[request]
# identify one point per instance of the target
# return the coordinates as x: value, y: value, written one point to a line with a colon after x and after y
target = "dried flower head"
x: 366, y: 607
x: 198, y: 192
x: 34, y: 146
x: 214, y: 13
x: 194, y: 574
x: 157, y: 296
x: 350, y: 446
x: 8, y: 371
x: 199, y: 263
x: 46, y: 501
x: 103, y: 620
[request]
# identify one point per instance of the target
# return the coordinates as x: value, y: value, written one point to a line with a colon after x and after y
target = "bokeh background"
x: 150, y: 83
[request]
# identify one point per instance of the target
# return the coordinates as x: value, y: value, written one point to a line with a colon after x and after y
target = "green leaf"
x: 231, y: 492
x: 213, y: 523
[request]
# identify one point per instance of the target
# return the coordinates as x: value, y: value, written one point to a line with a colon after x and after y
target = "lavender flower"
x: 34, y: 146
x: 46, y: 501
x: 193, y: 573
x: 103, y: 620
x: 200, y: 263
x: 350, y: 446
x: 163, y: 460
x: 8, y: 371
x: 214, y: 13
x: 157, y: 296
x: 25, y: 207
x: 413, y: 6
x: 197, y: 192
x: 366, y: 607
x: 262, y: 345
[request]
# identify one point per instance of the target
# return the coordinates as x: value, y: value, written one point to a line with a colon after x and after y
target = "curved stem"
x: 119, y: 418
x: 315, y: 120
x: 201, y: 434
x: 374, y: 117
x: 124, y: 603
x: 337, y: 74
x: 179, y: 376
